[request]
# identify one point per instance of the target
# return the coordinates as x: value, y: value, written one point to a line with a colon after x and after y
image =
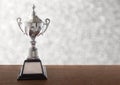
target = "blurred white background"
x: 80, y: 32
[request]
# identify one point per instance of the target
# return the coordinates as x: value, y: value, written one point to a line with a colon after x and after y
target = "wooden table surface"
x: 66, y: 75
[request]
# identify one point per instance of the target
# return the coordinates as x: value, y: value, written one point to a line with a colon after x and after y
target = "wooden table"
x: 65, y: 75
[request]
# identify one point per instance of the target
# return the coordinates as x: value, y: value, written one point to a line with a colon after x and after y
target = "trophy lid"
x: 35, y: 18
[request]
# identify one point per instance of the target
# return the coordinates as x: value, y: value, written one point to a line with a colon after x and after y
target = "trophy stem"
x: 33, y: 54
x: 33, y: 43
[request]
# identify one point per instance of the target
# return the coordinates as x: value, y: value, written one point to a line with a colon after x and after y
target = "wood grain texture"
x: 65, y: 75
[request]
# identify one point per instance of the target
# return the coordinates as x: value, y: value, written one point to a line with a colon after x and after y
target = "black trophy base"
x: 32, y: 70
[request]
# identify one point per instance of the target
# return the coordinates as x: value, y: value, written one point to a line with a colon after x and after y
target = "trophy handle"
x: 19, y: 24
x: 47, y: 22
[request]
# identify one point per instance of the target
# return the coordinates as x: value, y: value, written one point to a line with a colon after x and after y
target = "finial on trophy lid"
x: 33, y: 10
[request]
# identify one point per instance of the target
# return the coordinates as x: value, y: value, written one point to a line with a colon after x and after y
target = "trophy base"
x: 32, y: 70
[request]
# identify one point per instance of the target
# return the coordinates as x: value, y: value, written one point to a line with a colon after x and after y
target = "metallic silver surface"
x: 34, y: 27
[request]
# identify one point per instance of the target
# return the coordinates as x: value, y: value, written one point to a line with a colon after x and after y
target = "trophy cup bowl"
x: 32, y: 67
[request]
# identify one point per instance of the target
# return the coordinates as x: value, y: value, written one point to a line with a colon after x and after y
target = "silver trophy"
x: 32, y: 67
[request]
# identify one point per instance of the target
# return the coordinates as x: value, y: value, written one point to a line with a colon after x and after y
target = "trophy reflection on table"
x: 32, y: 67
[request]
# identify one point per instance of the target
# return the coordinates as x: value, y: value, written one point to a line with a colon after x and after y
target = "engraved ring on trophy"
x: 32, y: 67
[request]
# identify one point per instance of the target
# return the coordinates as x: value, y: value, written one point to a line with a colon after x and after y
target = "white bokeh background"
x: 80, y: 32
